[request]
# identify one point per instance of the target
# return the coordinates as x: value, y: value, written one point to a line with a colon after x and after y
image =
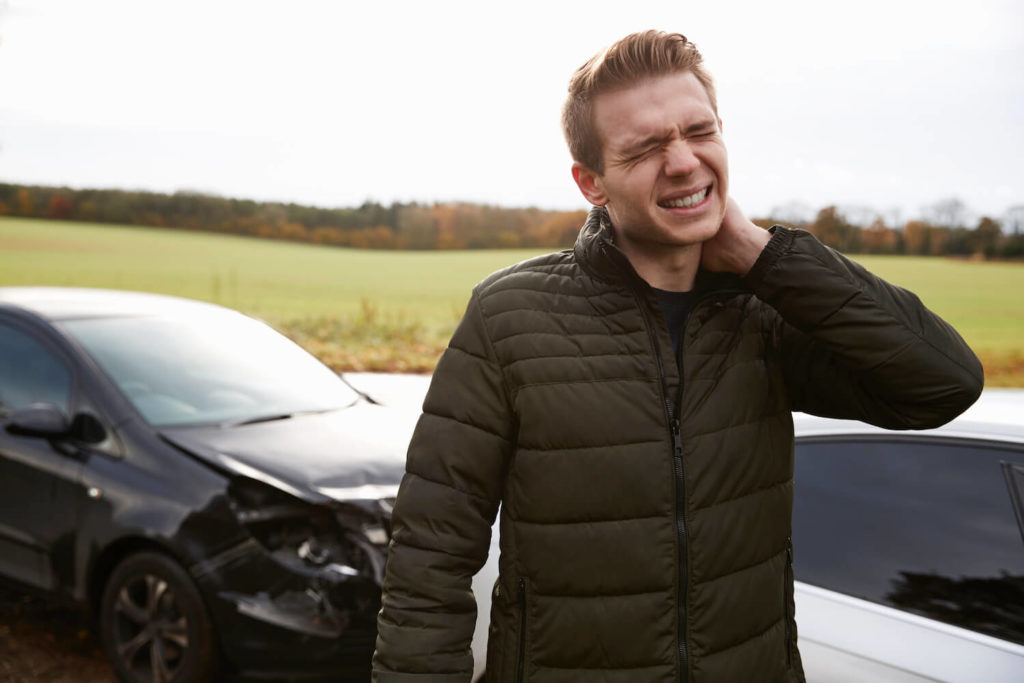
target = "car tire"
x: 154, y: 625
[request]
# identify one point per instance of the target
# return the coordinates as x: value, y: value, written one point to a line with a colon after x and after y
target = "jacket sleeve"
x: 855, y: 346
x: 442, y: 519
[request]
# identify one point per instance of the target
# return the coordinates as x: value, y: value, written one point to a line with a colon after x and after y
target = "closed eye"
x: 701, y: 129
x: 641, y: 154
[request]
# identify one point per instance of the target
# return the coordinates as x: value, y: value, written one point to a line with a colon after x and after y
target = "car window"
x: 30, y: 373
x: 212, y: 367
x: 921, y: 526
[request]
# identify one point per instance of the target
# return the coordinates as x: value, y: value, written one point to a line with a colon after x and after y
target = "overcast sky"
x: 891, y: 104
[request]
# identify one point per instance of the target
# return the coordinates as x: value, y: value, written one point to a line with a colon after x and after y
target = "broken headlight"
x: 339, y: 548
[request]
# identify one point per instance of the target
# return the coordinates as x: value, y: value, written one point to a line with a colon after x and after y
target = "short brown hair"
x: 637, y: 56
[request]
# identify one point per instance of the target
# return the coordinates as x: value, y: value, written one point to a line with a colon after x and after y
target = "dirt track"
x: 44, y: 642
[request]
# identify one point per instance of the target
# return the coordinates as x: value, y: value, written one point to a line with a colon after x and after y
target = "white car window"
x: 921, y: 526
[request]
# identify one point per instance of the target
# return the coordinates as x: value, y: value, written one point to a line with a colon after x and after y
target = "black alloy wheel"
x: 154, y: 625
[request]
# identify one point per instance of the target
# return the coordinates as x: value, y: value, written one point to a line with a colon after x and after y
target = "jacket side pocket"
x: 521, y: 659
x: 497, y: 631
x: 788, y: 604
x: 794, y: 665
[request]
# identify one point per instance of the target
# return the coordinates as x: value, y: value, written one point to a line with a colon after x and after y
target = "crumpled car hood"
x: 357, y: 453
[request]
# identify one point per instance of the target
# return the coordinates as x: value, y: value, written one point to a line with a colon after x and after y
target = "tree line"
x: 466, y: 225
x: 371, y: 225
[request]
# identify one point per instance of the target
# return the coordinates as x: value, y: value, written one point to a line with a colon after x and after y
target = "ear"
x: 589, y: 183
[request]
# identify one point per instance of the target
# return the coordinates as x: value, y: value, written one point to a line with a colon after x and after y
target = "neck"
x: 664, y: 267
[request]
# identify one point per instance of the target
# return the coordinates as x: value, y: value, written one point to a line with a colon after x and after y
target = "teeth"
x: 687, y: 202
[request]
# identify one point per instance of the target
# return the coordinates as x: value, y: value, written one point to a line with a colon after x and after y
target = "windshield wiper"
x: 262, y: 418
x: 275, y: 417
x: 365, y: 396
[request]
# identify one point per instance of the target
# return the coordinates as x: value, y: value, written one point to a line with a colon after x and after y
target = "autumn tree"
x: 916, y: 237
x: 939, y: 238
x: 26, y: 203
x: 417, y: 228
x: 560, y: 229
x: 878, y: 238
x: 59, y: 207
x: 831, y: 228
x: 985, y: 238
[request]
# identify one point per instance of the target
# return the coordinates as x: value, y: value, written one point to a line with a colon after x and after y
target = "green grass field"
x: 394, y: 310
x: 276, y: 279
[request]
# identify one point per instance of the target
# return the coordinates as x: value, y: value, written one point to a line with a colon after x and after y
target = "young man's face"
x: 666, y: 172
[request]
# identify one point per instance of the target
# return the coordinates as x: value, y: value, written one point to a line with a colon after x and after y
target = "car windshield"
x: 215, y: 367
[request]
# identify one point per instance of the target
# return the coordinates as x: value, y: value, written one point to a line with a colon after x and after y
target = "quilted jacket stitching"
x: 742, y: 569
x: 744, y: 641
x: 468, y: 494
x: 756, y: 492
x: 583, y: 522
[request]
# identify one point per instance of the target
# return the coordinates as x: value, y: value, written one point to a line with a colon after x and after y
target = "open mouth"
x: 687, y: 201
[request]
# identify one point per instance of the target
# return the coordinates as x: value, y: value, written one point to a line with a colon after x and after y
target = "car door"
x: 910, y: 559
x: 39, y: 490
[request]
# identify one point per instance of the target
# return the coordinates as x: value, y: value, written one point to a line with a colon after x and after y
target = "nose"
x: 680, y: 159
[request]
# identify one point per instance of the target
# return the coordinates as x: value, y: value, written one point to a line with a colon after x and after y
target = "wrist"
x: 749, y: 248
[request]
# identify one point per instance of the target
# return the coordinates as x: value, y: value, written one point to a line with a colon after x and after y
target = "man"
x: 628, y: 402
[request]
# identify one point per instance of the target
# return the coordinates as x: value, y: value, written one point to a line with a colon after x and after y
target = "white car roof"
x: 998, y: 416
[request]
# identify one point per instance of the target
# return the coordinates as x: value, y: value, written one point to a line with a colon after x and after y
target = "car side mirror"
x: 38, y: 419
x: 87, y: 429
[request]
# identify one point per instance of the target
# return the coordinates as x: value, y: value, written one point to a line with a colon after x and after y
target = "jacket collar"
x: 597, y: 254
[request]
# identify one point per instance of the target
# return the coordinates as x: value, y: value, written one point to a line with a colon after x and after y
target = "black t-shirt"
x: 675, y: 306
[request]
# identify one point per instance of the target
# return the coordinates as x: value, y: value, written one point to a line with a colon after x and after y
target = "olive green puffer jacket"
x: 632, y: 551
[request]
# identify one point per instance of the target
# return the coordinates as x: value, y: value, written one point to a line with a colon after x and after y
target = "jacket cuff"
x: 779, y: 244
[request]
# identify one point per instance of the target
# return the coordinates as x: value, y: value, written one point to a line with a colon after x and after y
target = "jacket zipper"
x: 521, y: 670
x: 677, y: 462
x: 677, y: 443
x: 677, y: 465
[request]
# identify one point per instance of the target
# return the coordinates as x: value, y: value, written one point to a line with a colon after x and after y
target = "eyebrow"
x: 697, y: 127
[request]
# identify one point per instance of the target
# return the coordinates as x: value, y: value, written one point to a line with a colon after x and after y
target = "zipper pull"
x: 677, y: 440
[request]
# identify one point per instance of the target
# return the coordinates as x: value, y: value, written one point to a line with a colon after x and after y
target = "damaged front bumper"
x: 301, y: 591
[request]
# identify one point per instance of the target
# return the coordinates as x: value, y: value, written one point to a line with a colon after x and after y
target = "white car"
x: 909, y: 546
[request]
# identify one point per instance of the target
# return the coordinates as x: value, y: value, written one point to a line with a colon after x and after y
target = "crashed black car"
x: 219, y: 498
